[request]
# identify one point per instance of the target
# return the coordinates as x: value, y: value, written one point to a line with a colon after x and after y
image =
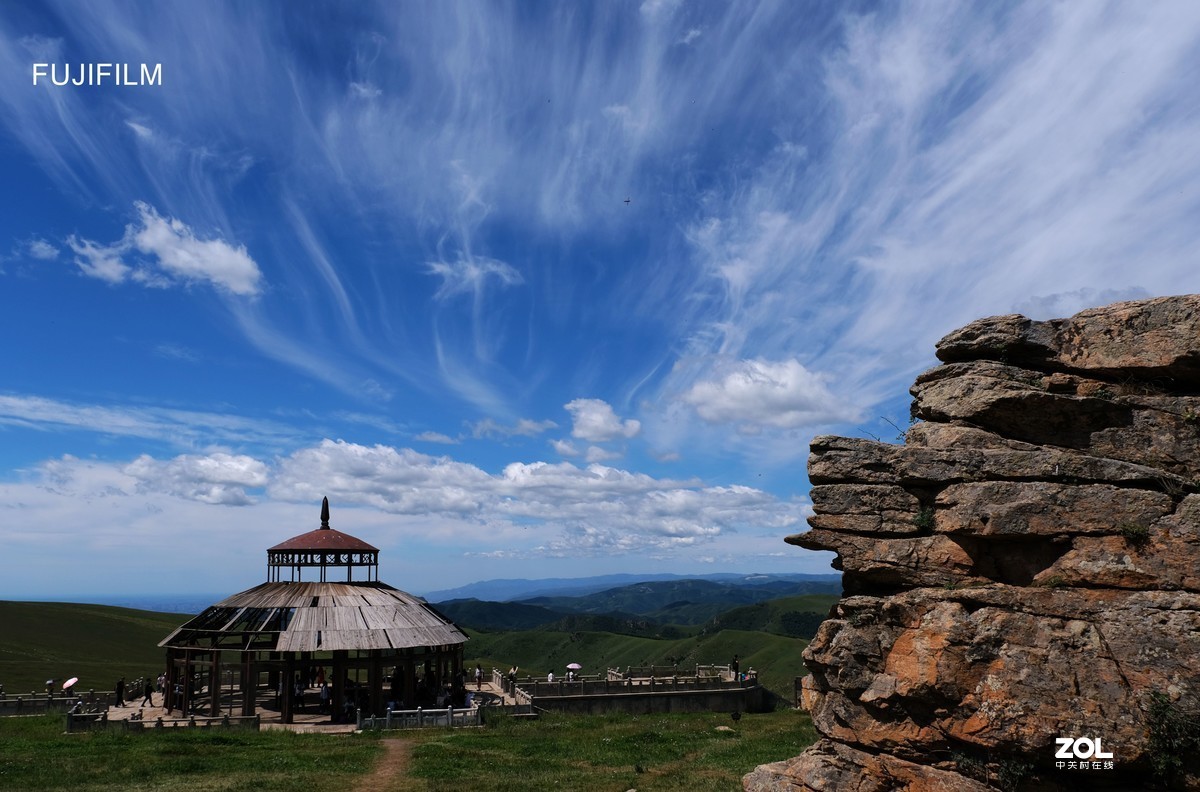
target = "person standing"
x: 148, y: 693
x: 120, y: 697
x: 733, y: 667
x: 478, y: 677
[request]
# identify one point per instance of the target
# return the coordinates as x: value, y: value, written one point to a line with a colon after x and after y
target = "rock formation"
x: 1025, y: 567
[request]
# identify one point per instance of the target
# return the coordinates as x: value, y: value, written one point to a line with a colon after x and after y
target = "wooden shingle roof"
x: 306, y: 617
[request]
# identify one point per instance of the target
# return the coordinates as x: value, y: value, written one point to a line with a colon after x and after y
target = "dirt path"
x: 393, y: 764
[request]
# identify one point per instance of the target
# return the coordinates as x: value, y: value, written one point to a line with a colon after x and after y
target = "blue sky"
x: 535, y: 289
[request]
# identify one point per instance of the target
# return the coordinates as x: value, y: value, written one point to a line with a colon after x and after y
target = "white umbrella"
x: 70, y: 682
x: 574, y: 666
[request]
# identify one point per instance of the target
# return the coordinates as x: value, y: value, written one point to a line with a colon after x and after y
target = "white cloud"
x: 564, y: 448
x: 598, y: 454
x: 142, y: 131
x: 595, y: 421
x: 524, y: 427
x: 99, y: 261
x: 469, y: 275
x: 217, y: 478
x: 760, y: 392
x: 435, y: 437
x: 42, y: 250
x: 173, y: 426
x: 170, y: 253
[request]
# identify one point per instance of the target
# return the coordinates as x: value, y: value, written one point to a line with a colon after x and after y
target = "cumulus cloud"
x: 561, y: 501
x: 164, y: 251
x: 759, y: 392
x: 217, y: 478
x: 595, y: 421
x: 564, y: 448
x: 598, y: 454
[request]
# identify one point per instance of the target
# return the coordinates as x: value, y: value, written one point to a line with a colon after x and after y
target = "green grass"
x: 38, y: 756
x: 97, y: 643
x: 578, y: 753
x: 608, y: 752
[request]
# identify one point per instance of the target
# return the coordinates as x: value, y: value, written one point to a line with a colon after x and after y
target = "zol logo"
x: 1082, y: 753
x: 1080, y: 748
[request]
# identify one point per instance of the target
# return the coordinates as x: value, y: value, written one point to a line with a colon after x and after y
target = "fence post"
x: 450, y: 717
x: 420, y: 717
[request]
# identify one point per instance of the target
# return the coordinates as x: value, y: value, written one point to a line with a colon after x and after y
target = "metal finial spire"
x: 325, y: 513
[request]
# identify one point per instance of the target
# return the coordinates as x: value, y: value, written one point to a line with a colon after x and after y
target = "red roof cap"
x: 324, y: 539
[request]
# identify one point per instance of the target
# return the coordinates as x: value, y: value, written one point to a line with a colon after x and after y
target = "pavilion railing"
x: 421, y: 718
x: 35, y: 704
x: 533, y: 688
x: 80, y: 722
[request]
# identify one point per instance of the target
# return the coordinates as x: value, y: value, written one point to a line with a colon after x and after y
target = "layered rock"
x: 1025, y: 567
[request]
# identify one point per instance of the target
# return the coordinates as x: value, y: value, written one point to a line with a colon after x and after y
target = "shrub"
x: 1174, y: 734
x: 1136, y: 535
x: 924, y: 519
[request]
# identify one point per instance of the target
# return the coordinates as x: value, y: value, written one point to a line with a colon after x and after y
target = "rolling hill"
x: 97, y: 643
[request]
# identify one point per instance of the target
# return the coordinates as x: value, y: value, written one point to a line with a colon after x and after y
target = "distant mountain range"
x: 654, y: 608
x: 510, y: 590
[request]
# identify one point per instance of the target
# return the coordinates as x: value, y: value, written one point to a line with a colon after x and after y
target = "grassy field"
x: 37, y: 757
x: 582, y: 754
x: 97, y: 643
x: 675, y: 752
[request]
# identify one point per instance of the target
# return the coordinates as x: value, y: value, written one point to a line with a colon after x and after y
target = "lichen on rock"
x: 1026, y: 567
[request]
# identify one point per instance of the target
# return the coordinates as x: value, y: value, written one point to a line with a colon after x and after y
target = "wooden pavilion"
x: 378, y: 645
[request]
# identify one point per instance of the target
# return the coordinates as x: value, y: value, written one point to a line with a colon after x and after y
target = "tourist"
x: 733, y: 668
x: 324, y: 696
x: 162, y: 687
x: 120, y: 697
x: 478, y: 677
x: 550, y: 677
x: 147, y: 694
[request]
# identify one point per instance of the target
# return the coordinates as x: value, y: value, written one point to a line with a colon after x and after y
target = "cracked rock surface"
x: 1025, y: 567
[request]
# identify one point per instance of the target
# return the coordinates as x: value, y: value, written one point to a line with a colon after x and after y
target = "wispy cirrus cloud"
x: 151, y: 423
x: 969, y: 165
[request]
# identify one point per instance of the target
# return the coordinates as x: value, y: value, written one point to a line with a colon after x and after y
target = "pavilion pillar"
x: 186, y: 705
x: 376, y: 681
x: 249, y: 683
x: 172, y: 676
x: 288, y: 683
x: 214, y: 684
x: 337, y: 700
x: 410, y: 680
